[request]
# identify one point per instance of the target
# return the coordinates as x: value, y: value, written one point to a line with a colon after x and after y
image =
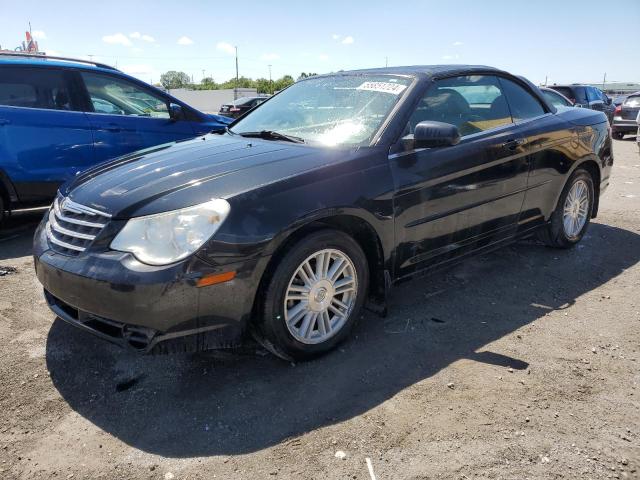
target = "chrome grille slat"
x: 64, y: 218
x: 55, y: 226
x: 72, y: 227
x: 60, y: 243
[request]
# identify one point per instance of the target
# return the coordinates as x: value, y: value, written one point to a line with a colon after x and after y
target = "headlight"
x: 167, y: 237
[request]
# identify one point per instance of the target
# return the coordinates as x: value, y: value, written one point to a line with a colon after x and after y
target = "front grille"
x: 72, y: 227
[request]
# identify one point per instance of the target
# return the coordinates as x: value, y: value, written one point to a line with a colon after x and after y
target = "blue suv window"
x: 116, y: 96
x: 35, y: 88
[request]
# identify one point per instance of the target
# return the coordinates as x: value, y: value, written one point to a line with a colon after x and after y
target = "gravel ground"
x: 519, y: 364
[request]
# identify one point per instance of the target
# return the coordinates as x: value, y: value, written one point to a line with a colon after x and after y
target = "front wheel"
x: 314, y: 295
x: 570, y: 219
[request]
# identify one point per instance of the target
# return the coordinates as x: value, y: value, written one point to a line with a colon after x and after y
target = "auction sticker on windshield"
x: 384, y: 87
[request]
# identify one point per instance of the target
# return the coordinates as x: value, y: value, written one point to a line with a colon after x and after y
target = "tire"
x: 560, y: 234
x: 282, y: 327
x: 618, y: 135
x: 2, y: 210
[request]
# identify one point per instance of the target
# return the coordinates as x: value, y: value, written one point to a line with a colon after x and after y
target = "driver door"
x: 452, y: 200
x: 127, y: 117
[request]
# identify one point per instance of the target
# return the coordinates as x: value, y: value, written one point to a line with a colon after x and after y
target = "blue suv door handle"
x: 3, y: 122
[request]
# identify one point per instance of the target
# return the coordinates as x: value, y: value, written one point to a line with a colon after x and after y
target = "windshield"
x: 632, y: 101
x: 334, y: 111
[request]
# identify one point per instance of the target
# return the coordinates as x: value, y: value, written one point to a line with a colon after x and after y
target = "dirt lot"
x: 520, y: 364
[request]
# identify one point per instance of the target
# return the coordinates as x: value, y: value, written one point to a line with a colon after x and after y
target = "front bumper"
x: 148, y: 309
x: 620, y: 125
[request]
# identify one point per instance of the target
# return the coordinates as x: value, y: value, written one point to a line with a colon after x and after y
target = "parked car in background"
x: 314, y: 204
x: 556, y: 98
x: 624, y: 116
x: 618, y: 99
x: 239, y: 107
x: 61, y: 116
x: 588, y: 97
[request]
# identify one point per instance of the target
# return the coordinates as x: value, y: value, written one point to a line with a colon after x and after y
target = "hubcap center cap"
x: 321, y: 295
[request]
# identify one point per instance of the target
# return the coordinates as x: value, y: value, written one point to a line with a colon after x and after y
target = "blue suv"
x: 60, y: 116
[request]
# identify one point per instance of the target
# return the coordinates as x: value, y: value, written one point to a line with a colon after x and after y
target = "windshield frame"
x: 378, y: 133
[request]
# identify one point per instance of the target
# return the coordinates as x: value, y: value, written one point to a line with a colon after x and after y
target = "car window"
x: 523, y: 104
x: 593, y: 94
x: 35, y: 88
x: 632, y: 101
x: 243, y: 101
x: 117, y: 96
x: 555, y: 98
x: 472, y: 103
x: 566, y: 91
x: 580, y: 94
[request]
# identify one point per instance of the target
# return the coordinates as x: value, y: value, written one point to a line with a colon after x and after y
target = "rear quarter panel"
x: 572, y: 138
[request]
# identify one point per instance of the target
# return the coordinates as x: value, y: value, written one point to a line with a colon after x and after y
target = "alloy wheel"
x: 320, y: 296
x: 576, y: 209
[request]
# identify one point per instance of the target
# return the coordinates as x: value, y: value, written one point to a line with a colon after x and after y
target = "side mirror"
x: 432, y: 134
x: 175, y: 112
x: 608, y: 101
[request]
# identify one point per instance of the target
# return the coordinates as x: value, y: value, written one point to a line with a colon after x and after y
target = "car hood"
x: 219, y: 118
x: 181, y: 174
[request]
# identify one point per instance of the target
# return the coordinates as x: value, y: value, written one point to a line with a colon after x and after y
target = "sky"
x: 562, y: 41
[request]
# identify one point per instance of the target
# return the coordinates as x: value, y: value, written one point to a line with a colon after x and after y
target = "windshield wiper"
x: 272, y: 135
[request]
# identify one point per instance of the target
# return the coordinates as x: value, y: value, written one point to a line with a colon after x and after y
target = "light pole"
x: 270, y: 83
x: 235, y: 90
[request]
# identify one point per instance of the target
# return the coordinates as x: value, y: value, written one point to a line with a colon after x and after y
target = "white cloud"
x: 270, y: 56
x: 39, y: 35
x: 185, y: 41
x: 336, y: 36
x: 226, y: 48
x: 140, y: 36
x: 449, y: 57
x: 136, y: 50
x: 457, y: 44
x: 348, y: 40
x: 323, y: 57
x: 117, y: 39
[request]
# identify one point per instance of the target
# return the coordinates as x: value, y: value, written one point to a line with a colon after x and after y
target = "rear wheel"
x: 618, y: 135
x: 570, y: 219
x: 314, y: 296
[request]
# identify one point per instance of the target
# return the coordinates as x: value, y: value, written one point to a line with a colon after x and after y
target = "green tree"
x: 263, y: 85
x: 173, y: 79
x: 283, y: 83
x: 306, y: 75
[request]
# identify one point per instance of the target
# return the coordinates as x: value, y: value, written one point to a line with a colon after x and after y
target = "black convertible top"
x: 421, y: 70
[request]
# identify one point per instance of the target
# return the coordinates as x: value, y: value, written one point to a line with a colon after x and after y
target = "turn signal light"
x: 215, y: 278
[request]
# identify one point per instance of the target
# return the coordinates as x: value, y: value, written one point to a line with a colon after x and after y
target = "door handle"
x: 4, y: 121
x: 511, y: 145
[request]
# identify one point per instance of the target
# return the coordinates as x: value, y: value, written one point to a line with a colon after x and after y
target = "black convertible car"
x: 314, y: 204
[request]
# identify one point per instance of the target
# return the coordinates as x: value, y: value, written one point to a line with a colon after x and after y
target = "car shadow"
x: 217, y: 404
x: 16, y: 233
